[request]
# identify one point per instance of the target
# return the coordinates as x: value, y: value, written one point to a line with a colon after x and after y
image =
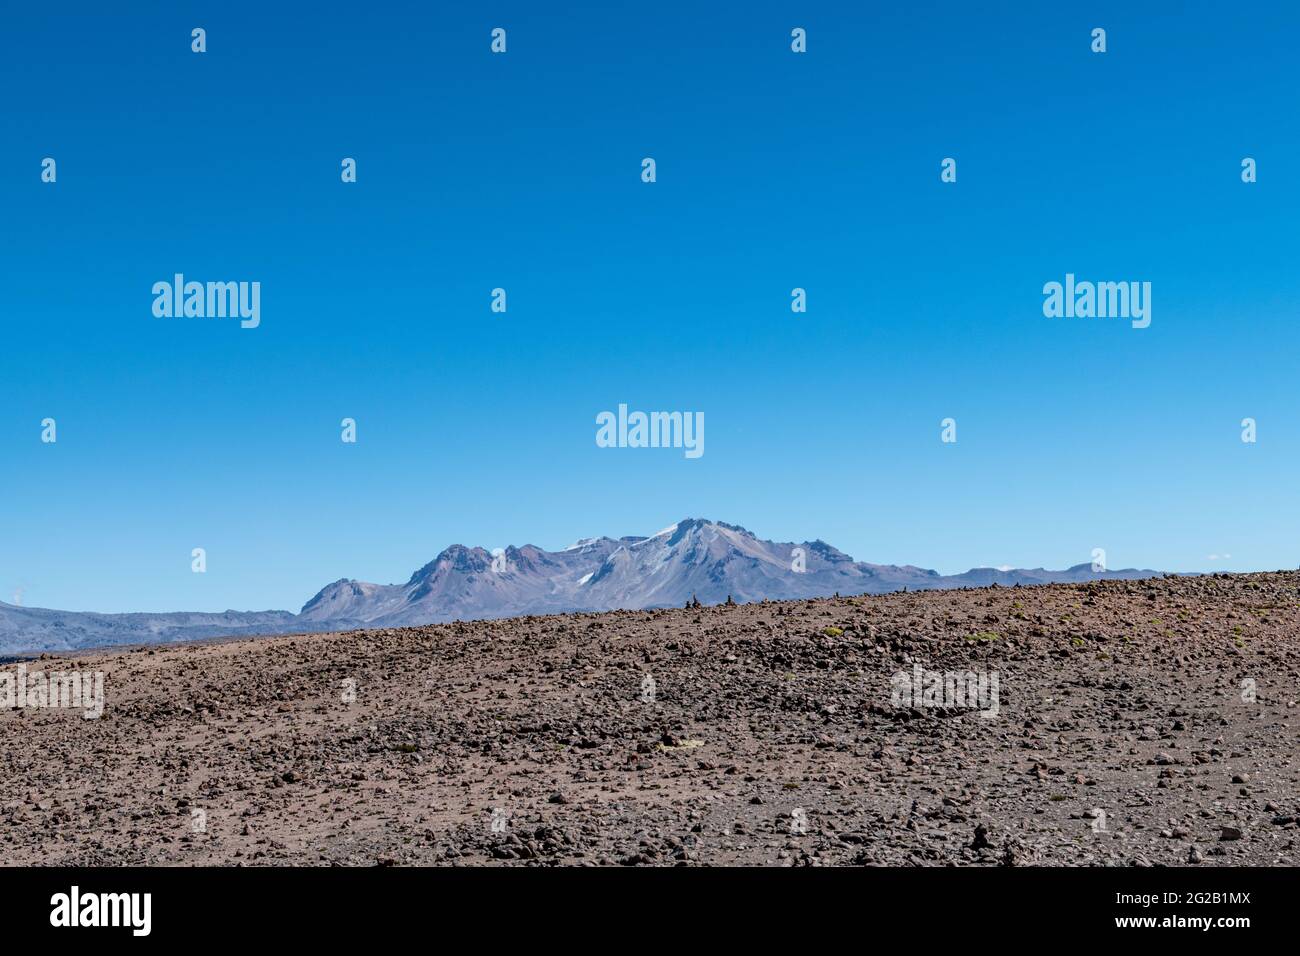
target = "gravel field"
x: 1118, y: 723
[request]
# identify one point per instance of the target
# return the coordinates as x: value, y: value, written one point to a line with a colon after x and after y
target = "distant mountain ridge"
x: 694, y: 558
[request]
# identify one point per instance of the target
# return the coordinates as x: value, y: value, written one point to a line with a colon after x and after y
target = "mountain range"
x: 694, y: 559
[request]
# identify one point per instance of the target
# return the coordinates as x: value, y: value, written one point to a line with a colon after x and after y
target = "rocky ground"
x: 1149, y: 722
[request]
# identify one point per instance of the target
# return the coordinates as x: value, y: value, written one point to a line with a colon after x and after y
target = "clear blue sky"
x: 775, y: 170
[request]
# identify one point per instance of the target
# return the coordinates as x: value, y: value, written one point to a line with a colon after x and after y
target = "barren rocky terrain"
x: 1138, y: 723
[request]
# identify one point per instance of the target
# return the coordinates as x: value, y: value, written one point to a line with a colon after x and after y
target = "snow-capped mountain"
x: 464, y: 583
x: 692, y: 559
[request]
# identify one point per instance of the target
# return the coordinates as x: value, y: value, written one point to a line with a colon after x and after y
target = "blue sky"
x: 522, y: 170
